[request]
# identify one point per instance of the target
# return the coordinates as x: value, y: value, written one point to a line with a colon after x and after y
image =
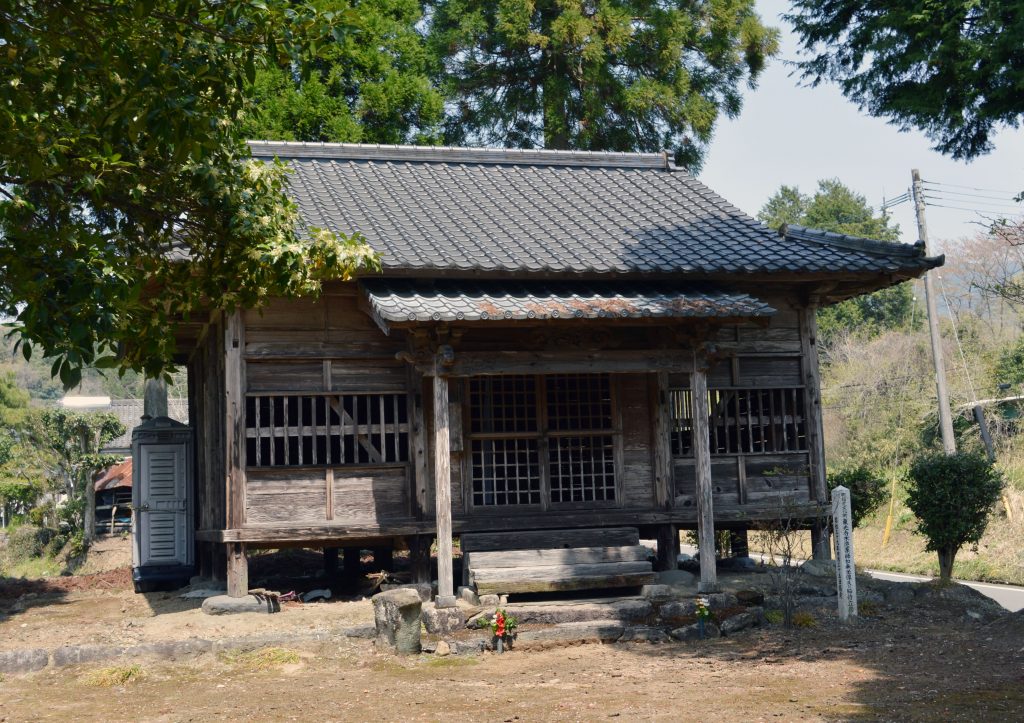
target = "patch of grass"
x: 451, y: 661
x: 804, y: 619
x: 114, y: 675
x: 775, y: 617
x: 261, y: 659
x: 32, y: 568
x: 867, y: 607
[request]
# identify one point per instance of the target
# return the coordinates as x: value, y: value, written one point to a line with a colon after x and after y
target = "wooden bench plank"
x: 549, y: 539
x: 635, y: 579
x: 558, y: 556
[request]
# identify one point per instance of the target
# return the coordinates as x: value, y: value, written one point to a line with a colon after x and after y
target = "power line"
x: 969, y: 188
x: 944, y: 192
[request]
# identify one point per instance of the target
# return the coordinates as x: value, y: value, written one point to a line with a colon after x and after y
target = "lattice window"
x: 326, y: 429
x: 743, y: 421
x: 582, y: 469
x: 505, y: 472
x: 514, y: 461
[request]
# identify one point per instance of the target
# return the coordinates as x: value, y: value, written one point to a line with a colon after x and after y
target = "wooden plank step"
x: 557, y: 572
x: 549, y: 539
x: 506, y: 587
x: 558, y: 556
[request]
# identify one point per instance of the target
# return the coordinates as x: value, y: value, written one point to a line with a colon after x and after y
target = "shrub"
x: 952, y: 496
x: 867, y: 490
x: 27, y: 541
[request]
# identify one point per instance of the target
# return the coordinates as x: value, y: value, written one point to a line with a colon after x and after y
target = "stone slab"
x: 689, y: 633
x: 442, y: 621
x: 396, y: 615
x: 23, y: 661
x: 227, y: 605
x: 622, y: 609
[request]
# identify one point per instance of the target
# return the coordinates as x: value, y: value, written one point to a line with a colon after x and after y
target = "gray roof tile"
x: 495, y: 211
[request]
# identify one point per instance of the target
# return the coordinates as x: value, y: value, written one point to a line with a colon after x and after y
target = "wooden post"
x: 331, y: 561
x: 419, y: 558
x: 702, y: 459
x: 238, y: 570
x: 820, y: 542
x: 351, y: 563
x: 663, y: 492
x: 443, y: 494
x: 668, y: 547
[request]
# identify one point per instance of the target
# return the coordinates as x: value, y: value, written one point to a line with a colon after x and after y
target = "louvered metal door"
x: 163, y: 512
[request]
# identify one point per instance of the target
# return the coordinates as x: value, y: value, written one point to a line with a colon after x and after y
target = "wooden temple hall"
x: 564, y: 350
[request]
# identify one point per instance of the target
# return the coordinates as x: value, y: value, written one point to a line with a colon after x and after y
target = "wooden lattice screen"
x: 743, y: 421
x: 326, y: 429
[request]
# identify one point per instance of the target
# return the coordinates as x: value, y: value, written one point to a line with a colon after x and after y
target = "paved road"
x: 1010, y: 597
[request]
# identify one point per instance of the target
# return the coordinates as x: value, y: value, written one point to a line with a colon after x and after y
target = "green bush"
x: 952, y: 497
x: 27, y: 541
x: 867, y: 490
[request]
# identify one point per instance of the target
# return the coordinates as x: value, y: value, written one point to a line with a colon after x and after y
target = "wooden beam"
x: 443, y: 494
x: 238, y: 570
x: 662, y: 447
x: 234, y: 419
x: 566, y: 362
x: 702, y: 458
x: 821, y: 544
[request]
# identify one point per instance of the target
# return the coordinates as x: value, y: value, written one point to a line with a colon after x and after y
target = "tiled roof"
x: 129, y: 411
x: 406, y: 300
x: 486, y: 211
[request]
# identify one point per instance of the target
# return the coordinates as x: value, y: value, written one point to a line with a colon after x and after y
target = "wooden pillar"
x: 419, y: 557
x: 351, y: 563
x: 702, y: 459
x: 668, y: 547
x: 663, y: 489
x: 331, y: 561
x: 238, y: 570
x: 443, y: 494
x: 821, y: 543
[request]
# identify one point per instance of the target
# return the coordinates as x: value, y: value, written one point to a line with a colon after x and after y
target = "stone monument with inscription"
x: 846, y: 574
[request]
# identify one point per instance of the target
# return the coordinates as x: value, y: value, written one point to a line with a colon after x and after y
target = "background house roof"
x: 408, y: 300
x: 494, y: 211
x: 129, y: 412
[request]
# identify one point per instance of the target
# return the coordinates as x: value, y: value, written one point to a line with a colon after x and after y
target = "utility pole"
x: 945, y: 418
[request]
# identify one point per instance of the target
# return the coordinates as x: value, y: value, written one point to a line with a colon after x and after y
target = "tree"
x: 867, y: 490
x: 624, y: 76
x: 371, y: 86
x: 835, y: 207
x: 120, y: 154
x: 951, y: 69
x: 20, y: 481
x: 952, y: 496
x: 73, y: 440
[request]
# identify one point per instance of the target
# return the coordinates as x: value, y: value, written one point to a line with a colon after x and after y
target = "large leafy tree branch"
x: 622, y: 75
x: 952, y: 69
x: 120, y: 158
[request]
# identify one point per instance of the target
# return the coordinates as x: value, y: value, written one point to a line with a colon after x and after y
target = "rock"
x: 657, y: 592
x: 644, y: 635
x: 227, y: 605
x: 676, y: 577
x: 683, y: 557
x: 692, y: 566
x: 720, y: 600
x: 749, y: 619
x: 469, y: 595
x: 169, y: 649
x: 589, y: 631
x: 367, y: 632
x: 318, y: 594
x: 692, y: 632
x: 423, y: 589
x: 493, y: 601
x: 442, y: 621
x: 75, y: 654
x: 677, y: 610
x: 750, y: 597
x: 468, y: 647
x: 445, y: 601
x: 442, y: 649
x: 23, y: 661
x: 811, y: 589
x: 741, y: 564
x: 820, y: 568
x: 396, y: 614
x: 871, y: 596
x: 899, y: 594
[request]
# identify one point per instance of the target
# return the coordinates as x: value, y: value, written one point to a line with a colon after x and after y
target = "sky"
x: 793, y: 135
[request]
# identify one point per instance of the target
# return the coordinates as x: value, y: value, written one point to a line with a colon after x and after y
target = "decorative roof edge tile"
x: 457, y: 155
x: 857, y: 243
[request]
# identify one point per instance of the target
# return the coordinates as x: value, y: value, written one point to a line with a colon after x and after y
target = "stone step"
x: 622, y: 610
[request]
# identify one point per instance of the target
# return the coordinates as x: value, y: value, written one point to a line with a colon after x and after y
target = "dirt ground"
x: 927, y: 660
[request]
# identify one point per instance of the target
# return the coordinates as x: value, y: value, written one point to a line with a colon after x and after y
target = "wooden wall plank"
x: 234, y: 418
